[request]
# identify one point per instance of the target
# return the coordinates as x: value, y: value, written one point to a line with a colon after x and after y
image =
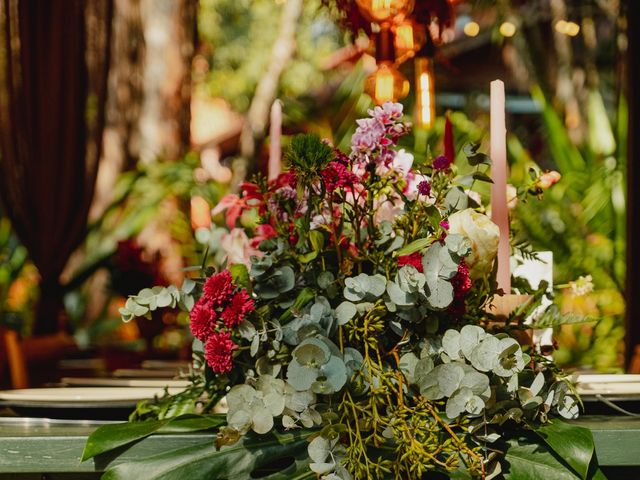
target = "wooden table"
x: 39, y: 451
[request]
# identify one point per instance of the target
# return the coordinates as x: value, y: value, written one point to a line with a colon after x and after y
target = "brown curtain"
x: 54, y: 57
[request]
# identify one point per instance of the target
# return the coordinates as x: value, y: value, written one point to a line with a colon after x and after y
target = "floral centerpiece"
x: 357, y: 341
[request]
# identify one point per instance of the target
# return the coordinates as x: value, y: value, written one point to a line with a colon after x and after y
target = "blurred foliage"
x: 582, y: 220
x: 18, y: 281
x: 236, y: 40
x: 155, y: 196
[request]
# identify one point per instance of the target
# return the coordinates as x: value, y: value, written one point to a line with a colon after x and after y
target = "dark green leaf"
x: 572, y: 443
x: 305, y: 296
x: 415, y: 246
x: 240, y: 275
x: 110, y: 437
x: 531, y: 461
x: 483, y: 177
x: 193, y: 423
x: 262, y: 453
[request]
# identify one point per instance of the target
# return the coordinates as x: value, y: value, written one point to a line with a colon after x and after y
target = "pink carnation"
x: 202, y: 319
x: 241, y: 304
x: 218, y: 288
x: 218, y: 351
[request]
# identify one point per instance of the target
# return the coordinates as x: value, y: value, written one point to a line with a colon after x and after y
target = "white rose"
x: 484, y: 236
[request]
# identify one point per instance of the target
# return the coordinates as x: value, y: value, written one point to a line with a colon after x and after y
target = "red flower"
x: 218, y: 351
x: 461, y: 281
x: 218, y: 288
x: 263, y: 232
x: 241, y: 304
x: 414, y: 259
x: 449, y: 148
x: 285, y: 179
x: 424, y: 188
x: 442, y: 163
x: 202, y: 320
x: 337, y: 175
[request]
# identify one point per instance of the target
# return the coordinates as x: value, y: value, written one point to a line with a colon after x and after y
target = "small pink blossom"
x: 237, y: 247
x: 387, y: 112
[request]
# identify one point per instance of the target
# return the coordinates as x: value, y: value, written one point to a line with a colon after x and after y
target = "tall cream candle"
x: 499, y: 210
x: 275, y: 138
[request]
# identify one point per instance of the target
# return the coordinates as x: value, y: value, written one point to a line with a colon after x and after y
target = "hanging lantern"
x: 409, y: 37
x: 386, y: 84
x: 383, y: 11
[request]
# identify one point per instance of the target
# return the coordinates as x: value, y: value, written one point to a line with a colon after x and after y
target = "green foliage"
x: 250, y: 455
x: 582, y: 220
x: 112, y: 436
x: 150, y: 299
x: 239, y: 36
x: 15, y: 314
x: 308, y: 155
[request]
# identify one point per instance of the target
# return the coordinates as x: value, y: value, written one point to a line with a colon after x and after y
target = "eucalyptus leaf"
x: 345, y: 312
x: 408, y: 363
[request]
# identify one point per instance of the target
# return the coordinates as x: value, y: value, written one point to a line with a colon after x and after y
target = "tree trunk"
x: 169, y: 32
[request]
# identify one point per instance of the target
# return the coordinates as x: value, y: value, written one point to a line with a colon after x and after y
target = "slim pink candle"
x: 275, y: 135
x: 499, y: 210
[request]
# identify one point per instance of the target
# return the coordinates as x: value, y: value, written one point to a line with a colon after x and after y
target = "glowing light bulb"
x: 471, y: 29
x: 425, y: 110
x: 404, y: 37
x: 386, y: 84
x: 385, y: 10
x: 409, y: 37
x: 572, y: 29
x: 507, y: 29
x: 567, y: 28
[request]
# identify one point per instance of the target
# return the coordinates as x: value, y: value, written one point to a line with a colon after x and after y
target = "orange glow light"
x: 404, y: 37
x: 425, y: 94
x: 386, y: 84
x: 200, y: 213
x: 384, y: 87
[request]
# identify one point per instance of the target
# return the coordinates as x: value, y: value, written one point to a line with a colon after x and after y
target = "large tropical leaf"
x: 530, y: 461
x: 112, y: 436
x: 572, y: 443
x: 275, y: 456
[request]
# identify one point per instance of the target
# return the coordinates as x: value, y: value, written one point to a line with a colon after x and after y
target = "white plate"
x: 606, y: 378
x: 124, y: 382
x: 164, y: 364
x: 144, y: 373
x: 82, y: 394
x: 607, y: 384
